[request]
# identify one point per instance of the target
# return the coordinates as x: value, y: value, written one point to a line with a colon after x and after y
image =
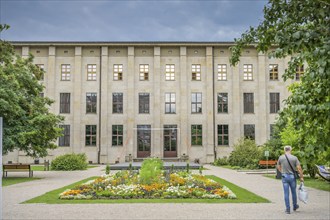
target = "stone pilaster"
x: 235, y: 105
x: 209, y: 106
x: 77, y: 109
x: 130, y: 102
x: 183, y: 147
x: 261, y: 104
x: 156, y: 149
x: 51, y: 80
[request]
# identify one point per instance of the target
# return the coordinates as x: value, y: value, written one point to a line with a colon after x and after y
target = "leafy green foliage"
x: 107, y: 169
x: 299, y: 30
x: 150, y: 170
x: 223, y: 161
x: 70, y: 162
x: 245, y: 154
x: 28, y: 124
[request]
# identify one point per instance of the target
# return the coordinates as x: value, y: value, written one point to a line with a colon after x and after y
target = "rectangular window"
x: 196, y: 102
x: 64, y: 102
x: 91, y: 72
x: 196, y: 72
x: 223, y: 135
x: 170, y: 106
x: 299, y: 72
x: 273, y: 71
x: 196, y: 135
x: 42, y: 68
x: 248, y: 72
x: 274, y: 102
x: 144, y: 103
x: 222, y: 72
x: 144, y: 137
x: 249, y: 131
x: 117, y: 102
x: 117, y: 135
x: 91, y: 102
x: 222, y: 102
x: 144, y: 72
x: 65, y: 72
x: 117, y: 72
x: 90, y: 135
x: 170, y: 72
x: 64, y: 141
x: 248, y: 103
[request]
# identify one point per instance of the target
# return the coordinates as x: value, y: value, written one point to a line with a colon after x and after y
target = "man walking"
x: 287, y: 164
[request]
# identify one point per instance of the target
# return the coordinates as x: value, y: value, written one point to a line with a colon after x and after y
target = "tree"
x: 300, y: 30
x: 28, y: 124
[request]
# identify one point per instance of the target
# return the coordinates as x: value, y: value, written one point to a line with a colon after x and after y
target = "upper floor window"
x: 117, y: 135
x: 91, y: 72
x: 222, y: 72
x: 299, y: 72
x: 65, y: 72
x: 197, y: 135
x: 248, y: 72
x: 117, y: 72
x: 65, y: 139
x: 91, y: 102
x: 249, y: 131
x: 117, y: 102
x: 144, y: 72
x: 223, y: 135
x: 90, y: 135
x: 196, y: 72
x: 170, y: 105
x: 170, y: 72
x: 222, y: 102
x: 64, y: 102
x: 196, y: 102
x: 274, y: 102
x: 248, y: 103
x: 144, y: 103
x: 42, y: 68
x: 273, y: 71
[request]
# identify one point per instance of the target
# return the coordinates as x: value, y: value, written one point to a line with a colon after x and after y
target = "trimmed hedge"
x: 70, y: 162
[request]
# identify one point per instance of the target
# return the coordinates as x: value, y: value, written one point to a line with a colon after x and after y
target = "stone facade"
x: 183, y: 55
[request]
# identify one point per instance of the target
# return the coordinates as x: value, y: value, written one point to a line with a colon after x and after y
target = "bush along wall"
x: 70, y: 162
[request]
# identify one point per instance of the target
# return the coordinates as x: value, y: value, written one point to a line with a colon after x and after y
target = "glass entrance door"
x: 143, y: 141
x: 170, y: 140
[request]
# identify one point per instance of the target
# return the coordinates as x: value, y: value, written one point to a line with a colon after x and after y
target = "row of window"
x: 170, y: 72
x: 144, y: 134
x: 170, y: 103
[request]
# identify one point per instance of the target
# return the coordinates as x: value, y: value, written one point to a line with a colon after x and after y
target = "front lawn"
x: 310, y: 182
x: 14, y: 180
x: 243, y: 196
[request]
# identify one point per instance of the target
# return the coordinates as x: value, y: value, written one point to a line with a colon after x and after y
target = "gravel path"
x: 317, y: 208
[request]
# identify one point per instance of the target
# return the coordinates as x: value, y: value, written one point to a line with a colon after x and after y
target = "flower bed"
x: 126, y: 185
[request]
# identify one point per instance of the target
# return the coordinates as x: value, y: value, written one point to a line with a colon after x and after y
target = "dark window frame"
x: 196, y: 103
x: 144, y: 137
x: 250, y: 131
x: 91, y: 102
x: 170, y: 105
x: 274, y: 102
x: 222, y: 102
x: 65, y: 101
x: 117, y: 103
x: 117, y: 135
x: 197, y: 135
x: 273, y: 72
x: 90, y: 135
x: 144, y: 103
x: 64, y: 141
x: 223, y: 134
x: 248, y: 103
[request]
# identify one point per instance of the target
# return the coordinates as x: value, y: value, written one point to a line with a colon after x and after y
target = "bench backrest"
x: 16, y: 166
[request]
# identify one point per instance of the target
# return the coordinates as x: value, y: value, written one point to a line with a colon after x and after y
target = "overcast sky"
x: 115, y: 20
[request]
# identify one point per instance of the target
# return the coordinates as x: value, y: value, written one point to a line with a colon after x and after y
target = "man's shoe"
x: 296, y: 207
x: 287, y: 211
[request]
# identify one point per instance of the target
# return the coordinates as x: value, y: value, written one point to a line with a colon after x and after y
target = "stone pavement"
x: 317, y: 208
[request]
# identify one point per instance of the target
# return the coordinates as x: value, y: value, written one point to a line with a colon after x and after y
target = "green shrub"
x: 70, y: 162
x: 151, y: 170
x: 107, y: 169
x: 221, y: 161
x: 246, y: 154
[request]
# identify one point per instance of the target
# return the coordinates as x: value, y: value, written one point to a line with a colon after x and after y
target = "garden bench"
x: 17, y: 168
x: 270, y: 163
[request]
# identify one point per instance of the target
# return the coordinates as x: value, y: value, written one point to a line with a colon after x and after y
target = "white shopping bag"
x: 302, y: 193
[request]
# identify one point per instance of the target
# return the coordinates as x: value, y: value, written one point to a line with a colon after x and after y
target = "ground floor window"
x: 117, y: 135
x: 64, y: 141
x: 90, y: 135
x: 144, y: 140
x: 170, y: 140
x: 249, y: 131
x: 197, y: 135
x: 223, y: 135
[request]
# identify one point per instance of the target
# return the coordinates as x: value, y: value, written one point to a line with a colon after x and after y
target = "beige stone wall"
x: 157, y: 56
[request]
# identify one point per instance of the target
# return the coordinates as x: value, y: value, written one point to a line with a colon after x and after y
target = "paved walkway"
x: 318, y: 207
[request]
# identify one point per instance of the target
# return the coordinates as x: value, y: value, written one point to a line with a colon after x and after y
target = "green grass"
x: 310, y: 182
x: 243, y: 196
x: 41, y: 167
x: 14, y: 180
